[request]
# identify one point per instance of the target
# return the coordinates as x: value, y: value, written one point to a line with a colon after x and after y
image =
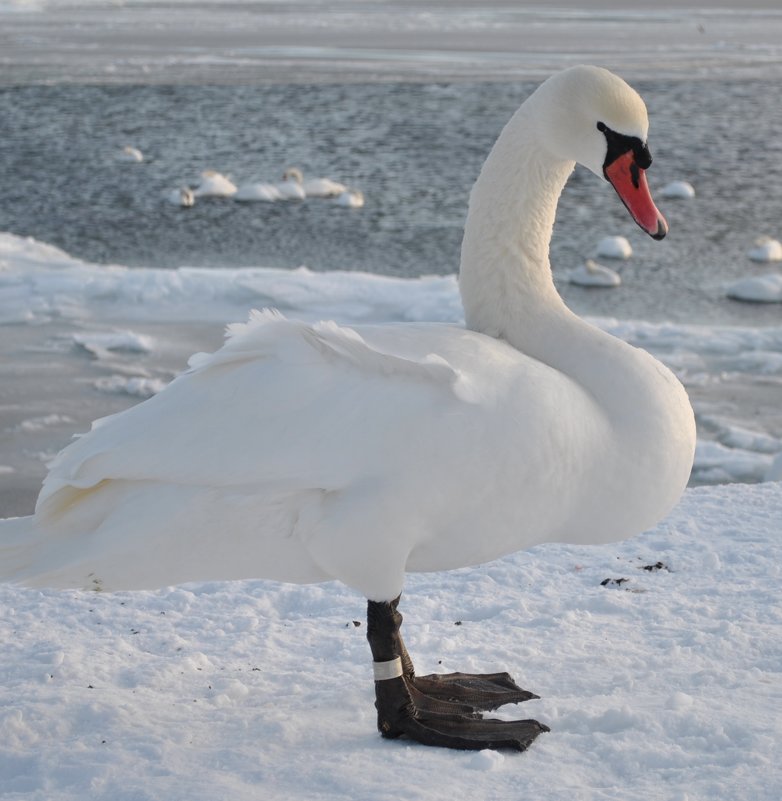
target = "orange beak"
x: 629, y: 180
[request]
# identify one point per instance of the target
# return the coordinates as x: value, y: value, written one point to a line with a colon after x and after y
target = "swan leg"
x: 439, y: 710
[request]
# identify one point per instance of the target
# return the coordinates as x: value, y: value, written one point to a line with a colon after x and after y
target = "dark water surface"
x: 415, y: 150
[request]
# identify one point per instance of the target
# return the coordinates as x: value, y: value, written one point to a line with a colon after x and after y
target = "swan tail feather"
x: 21, y: 544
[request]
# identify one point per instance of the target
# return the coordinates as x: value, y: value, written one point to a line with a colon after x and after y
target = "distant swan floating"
x: 678, y: 190
x: 350, y: 198
x: 259, y: 191
x: 766, y: 250
x: 290, y: 188
x: 306, y: 452
x: 181, y: 197
x: 757, y: 289
x: 314, y: 187
x: 214, y: 184
x: 590, y: 273
x: 614, y: 247
x: 132, y: 154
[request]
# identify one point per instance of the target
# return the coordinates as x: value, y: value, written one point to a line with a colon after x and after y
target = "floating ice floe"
x: 678, y: 189
x: 138, y: 386
x: 614, y: 247
x: 758, y: 289
x: 592, y: 274
x: 766, y: 249
x: 716, y: 463
x: 99, y: 343
x: 131, y: 154
x: 214, y: 184
x: 43, y: 422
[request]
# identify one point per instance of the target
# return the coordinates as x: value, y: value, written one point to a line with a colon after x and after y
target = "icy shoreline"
x: 180, y: 41
x: 84, y: 340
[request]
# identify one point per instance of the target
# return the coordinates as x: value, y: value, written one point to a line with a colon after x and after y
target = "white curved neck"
x: 505, y: 278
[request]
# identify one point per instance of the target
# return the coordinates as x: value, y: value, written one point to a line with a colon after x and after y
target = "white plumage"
x: 306, y: 452
x: 258, y: 191
x: 214, y: 184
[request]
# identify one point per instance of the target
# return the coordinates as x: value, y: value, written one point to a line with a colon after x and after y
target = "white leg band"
x: 387, y: 670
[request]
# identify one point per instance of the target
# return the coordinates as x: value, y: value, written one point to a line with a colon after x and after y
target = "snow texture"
x: 663, y: 687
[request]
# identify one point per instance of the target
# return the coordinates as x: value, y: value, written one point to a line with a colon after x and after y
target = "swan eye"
x: 619, y: 144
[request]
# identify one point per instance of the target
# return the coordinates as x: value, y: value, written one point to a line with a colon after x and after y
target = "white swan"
x: 131, y: 154
x: 310, y: 452
x: 181, y: 197
x: 757, y: 288
x: 590, y: 273
x: 258, y: 191
x: 291, y: 188
x: 314, y: 187
x: 214, y: 184
x: 766, y: 250
x: 614, y: 247
x: 350, y: 198
x: 681, y: 190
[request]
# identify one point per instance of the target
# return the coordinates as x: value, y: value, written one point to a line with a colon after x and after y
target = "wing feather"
x: 279, y: 404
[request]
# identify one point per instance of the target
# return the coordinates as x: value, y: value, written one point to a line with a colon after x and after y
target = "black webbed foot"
x: 399, y: 714
x: 440, y: 709
x: 481, y: 692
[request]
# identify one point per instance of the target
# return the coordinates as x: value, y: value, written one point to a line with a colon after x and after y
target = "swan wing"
x: 278, y: 405
x: 322, y: 187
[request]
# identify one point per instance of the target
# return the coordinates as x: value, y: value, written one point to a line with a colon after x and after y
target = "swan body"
x: 323, y: 187
x: 131, y: 154
x: 766, y: 250
x: 313, y: 187
x: 350, y: 198
x: 259, y: 191
x: 181, y: 197
x: 214, y: 184
x: 590, y: 273
x: 681, y: 190
x: 614, y: 247
x: 305, y: 452
x: 757, y: 288
x: 291, y: 187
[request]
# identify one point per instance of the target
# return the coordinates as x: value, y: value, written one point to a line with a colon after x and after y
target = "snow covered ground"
x: 664, y: 686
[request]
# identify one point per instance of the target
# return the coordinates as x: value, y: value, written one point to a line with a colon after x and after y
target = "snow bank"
x: 39, y: 282
x: 663, y: 686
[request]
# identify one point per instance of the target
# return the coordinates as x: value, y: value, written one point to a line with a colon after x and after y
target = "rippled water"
x: 414, y: 149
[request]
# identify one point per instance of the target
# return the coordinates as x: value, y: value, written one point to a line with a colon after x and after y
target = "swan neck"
x: 505, y: 276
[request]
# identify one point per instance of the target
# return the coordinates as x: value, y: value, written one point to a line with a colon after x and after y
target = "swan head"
x: 293, y: 174
x: 591, y: 116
